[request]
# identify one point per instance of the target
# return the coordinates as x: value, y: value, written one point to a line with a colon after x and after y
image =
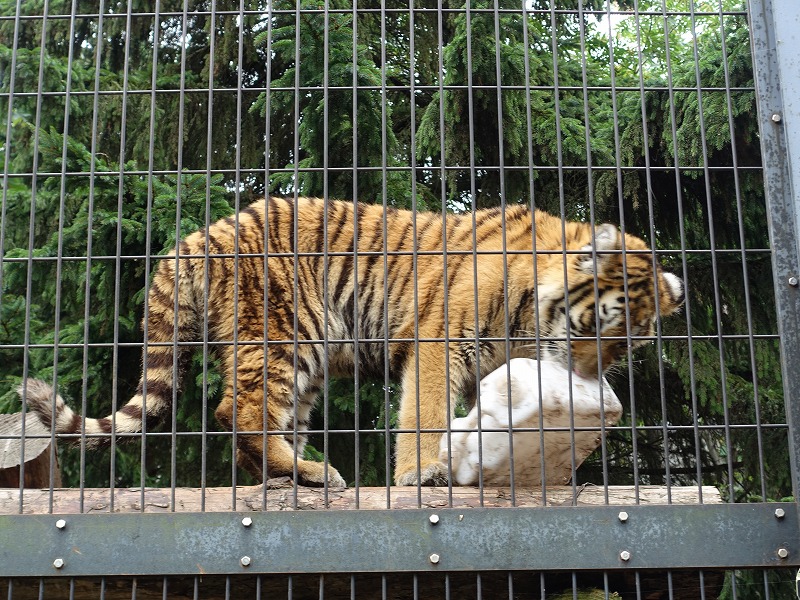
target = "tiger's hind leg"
x: 281, y: 457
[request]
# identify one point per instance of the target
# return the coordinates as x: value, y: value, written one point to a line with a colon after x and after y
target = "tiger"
x: 288, y: 287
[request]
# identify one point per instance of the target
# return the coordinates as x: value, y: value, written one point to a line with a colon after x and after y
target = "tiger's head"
x: 614, y: 294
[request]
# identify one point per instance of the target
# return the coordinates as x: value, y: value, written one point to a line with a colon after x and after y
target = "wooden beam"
x: 280, y: 494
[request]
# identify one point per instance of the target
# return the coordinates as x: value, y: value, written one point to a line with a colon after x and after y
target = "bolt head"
x: 58, y: 563
x: 434, y: 558
x: 783, y: 552
x: 780, y: 513
x: 623, y: 516
x: 625, y: 555
x: 245, y: 560
x: 247, y: 521
x: 793, y: 281
x: 434, y: 519
x: 61, y: 523
x: 776, y: 117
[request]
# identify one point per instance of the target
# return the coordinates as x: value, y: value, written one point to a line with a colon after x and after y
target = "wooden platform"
x: 279, y: 494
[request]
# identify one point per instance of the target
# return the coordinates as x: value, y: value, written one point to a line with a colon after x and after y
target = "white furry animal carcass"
x: 587, y: 398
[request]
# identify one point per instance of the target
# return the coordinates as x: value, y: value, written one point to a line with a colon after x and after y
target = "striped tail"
x: 153, y: 398
x: 54, y: 413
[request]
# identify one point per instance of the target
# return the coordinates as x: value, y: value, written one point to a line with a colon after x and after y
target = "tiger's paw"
x: 430, y: 474
x: 312, y: 474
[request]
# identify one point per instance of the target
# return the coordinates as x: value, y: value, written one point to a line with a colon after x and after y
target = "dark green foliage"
x: 691, y: 198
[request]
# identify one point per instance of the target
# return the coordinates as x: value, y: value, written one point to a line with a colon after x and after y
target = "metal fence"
x: 383, y: 328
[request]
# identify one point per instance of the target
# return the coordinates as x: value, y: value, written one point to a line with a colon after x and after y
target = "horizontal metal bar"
x: 553, y: 538
x: 242, y: 343
x: 108, y: 257
x: 388, y: 169
x: 386, y: 10
x: 395, y: 430
x: 165, y: 91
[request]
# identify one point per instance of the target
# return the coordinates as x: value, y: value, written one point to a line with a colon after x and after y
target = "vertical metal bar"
x: 413, y: 147
x: 775, y: 35
x: 657, y: 291
x: 295, y: 239
x: 237, y: 195
x: 87, y: 300
x: 265, y: 367
x: 474, y: 208
x: 31, y: 245
x: 443, y: 196
x: 713, y: 247
x: 743, y: 244
x: 595, y: 284
x: 148, y: 261
x: 355, y: 332
x: 620, y: 195
x: 61, y: 210
x: 385, y: 248
x: 685, y: 268
x: 649, y: 187
x: 504, y: 241
x: 562, y: 204
x: 325, y: 258
x: 179, y: 169
x: 206, y: 261
x: 117, y: 271
x: 535, y: 274
x: 9, y: 142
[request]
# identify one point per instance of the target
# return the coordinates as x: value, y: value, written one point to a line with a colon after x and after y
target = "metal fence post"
x: 775, y: 33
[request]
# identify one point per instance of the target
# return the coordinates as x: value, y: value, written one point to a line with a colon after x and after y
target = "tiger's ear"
x: 673, y: 293
x: 606, y: 237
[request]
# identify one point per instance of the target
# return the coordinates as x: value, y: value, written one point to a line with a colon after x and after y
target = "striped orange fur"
x: 371, y: 288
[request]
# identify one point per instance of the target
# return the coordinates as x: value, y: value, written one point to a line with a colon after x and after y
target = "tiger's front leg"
x: 417, y: 456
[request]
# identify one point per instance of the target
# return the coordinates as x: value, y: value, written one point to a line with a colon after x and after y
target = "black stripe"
x: 394, y: 261
x: 160, y: 359
x: 291, y: 208
x: 347, y: 262
x: 309, y: 285
x: 431, y: 219
x: 275, y: 233
x: 486, y: 216
x: 155, y: 388
x: 256, y: 215
x: 104, y: 424
x: 221, y: 263
x: 525, y: 301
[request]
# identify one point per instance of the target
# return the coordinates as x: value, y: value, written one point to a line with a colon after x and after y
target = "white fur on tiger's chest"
x: 494, y: 457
